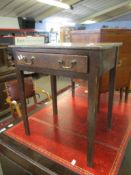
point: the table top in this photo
(83, 46)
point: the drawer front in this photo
(73, 63)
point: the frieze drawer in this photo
(73, 63)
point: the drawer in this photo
(75, 63)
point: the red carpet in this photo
(6, 122)
(63, 138)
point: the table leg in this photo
(93, 89)
(73, 87)
(126, 93)
(111, 95)
(121, 93)
(112, 74)
(99, 98)
(20, 77)
(54, 93)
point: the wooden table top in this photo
(82, 46)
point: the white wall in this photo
(7, 22)
(53, 23)
(113, 24)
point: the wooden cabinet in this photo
(110, 35)
(107, 35)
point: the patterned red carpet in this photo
(63, 138)
(6, 122)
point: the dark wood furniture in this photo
(123, 72)
(12, 92)
(6, 72)
(18, 159)
(73, 60)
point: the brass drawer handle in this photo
(25, 60)
(62, 64)
(33, 59)
(119, 63)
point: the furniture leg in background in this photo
(73, 87)
(54, 94)
(112, 74)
